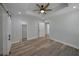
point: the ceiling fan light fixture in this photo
(42, 11)
(43, 8)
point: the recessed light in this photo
(19, 12)
(74, 6)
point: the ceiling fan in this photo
(43, 8)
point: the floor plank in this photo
(42, 47)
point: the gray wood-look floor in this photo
(42, 47)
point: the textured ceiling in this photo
(27, 9)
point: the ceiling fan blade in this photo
(46, 6)
(44, 12)
(48, 10)
(38, 5)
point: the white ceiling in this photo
(27, 9)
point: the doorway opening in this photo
(43, 29)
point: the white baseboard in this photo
(32, 38)
(74, 46)
(21, 41)
(15, 42)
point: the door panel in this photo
(41, 29)
(9, 35)
(6, 34)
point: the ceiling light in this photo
(19, 12)
(74, 6)
(42, 11)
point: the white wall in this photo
(32, 30)
(16, 30)
(32, 27)
(65, 28)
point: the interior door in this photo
(24, 32)
(41, 30)
(9, 35)
(6, 34)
